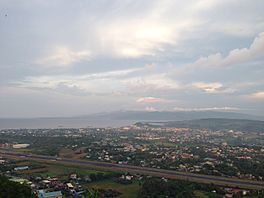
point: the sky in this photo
(66, 58)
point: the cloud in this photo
(93, 83)
(72, 89)
(155, 82)
(236, 56)
(151, 100)
(207, 109)
(136, 38)
(214, 87)
(63, 56)
(112, 82)
(93, 43)
(208, 87)
(111, 74)
(150, 109)
(147, 32)
(257, 95)
(150, 66)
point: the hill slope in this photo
(215, 124)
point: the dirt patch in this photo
(72, 153)
(37, 170)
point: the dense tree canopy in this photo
(12, 189)
(157, 188)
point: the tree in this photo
(12, 189)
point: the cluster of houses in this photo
(57, 187)
(211, 144)
(51, 187)
(14, 146)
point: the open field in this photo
(127, 190)
(54, 170)
(202, 194)
(70, 153)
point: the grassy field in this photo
(73, 154)
(55, 170)
(127, 190)
(202, 194)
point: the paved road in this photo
(223, 181)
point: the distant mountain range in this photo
(171, 115)
(212, 123)
(119, 118)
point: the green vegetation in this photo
(219, 124)
(12, 189)
(200, 148)
(157, 188)
(91, 194)
(58, 170)
(127, 190)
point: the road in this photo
(207, 179)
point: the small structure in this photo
(54, 181)
(228, 196)
(20, 146)
(69, 186)
(73, 176)
(54, 194)
(19, 180)
(45, 183)
(21, 168)
(2, 161)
